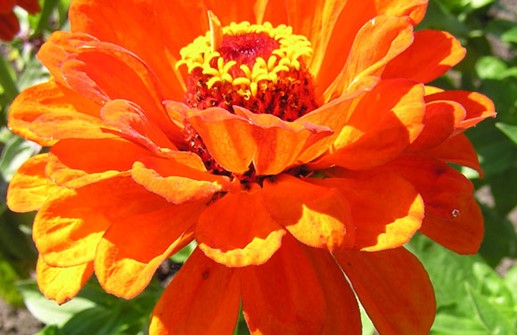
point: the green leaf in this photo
(510, 36)
(508, 130)
(182, 255)
(490, 67)
(48, 311)
(16, 152)
(449, 324)
(50, 330)
(490, 316)
(511, 282)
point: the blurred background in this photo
(476, 295)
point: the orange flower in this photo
(293, 152)
(9, 25)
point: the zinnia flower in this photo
(296, 142)
(9, 25)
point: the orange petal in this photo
(382, 125)
(458, 150)
(30, 187)
(62, 284)
(102, 72)
(237, 230)
(48, 112)
(177, 181)
(441, 118)
(71, 223)
(203, 298)
(315, 215)
(133, 248)
(159, 50)
(298, 291)
(462, 234)
(346, 28)
(477, 106)
(386, 209)
(76, 162)
(418, 64)
(228, 137)
(393, 287)
(452, 217)
(279, 143)
(376, 43)
(130, 120)
(445, 191)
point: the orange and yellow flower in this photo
(9, 25)
(296, 142)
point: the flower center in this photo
(257, 67)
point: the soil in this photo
(17, 321)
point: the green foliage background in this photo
(476, 295)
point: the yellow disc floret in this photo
(256, 54)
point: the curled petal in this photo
(133, 248)
(279, 143)
(102, 71)
(377, 42)
(315, 215)
(235, 141)
(458, 150)
(179, 180)
(71, 223)
(477, 106)
(386, 209)
(418, 64)
(393, 287)
(440, 121)
(275, 299)
(48, 112)
(203, 298)
(130, 120)
(62, 284)
(382, 124)
(237, 230)
(77, 162)
(30, 187)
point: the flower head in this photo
(9, 25)
(296, 142)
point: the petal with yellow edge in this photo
(62, 283)
(393, 287)
(71, 223)
(30, 187)
(316, 216)
(133, 248)
(279, 143)
(477, 106)
(237, 230)
(78, 162)
(386, 209)
(203, 298)
(376, 43)
(440, 121)
(417, 63)
(289, 295)
(383, 123)
(102, 71)
(48, 112)
(177, 181)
